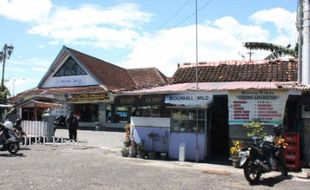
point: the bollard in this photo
(182, 152)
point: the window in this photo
(70, 68)
(185, 121)
(119, 114)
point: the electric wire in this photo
(192, 14)
(175, 14)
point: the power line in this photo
(192, 14)
(175, 14)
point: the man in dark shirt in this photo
(73, 124)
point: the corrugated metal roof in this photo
(221, 86)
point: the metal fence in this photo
(37, 133)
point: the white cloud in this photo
(109, 27)
(284, 20)
(25, 11)
(220, 39)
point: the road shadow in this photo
(24, 148)
(10, 155)
(272, 181)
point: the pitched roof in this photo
(147, 77)
(226, 71)
(111, 76)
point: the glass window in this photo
(70, 68)
(86, 112)
(119, 114)
(185, 121)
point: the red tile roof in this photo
(238, 71)
(147, 77)
(111, 76)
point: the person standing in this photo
(73, 124)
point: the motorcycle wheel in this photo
(13, 148)
(252, 171)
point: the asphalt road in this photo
(77, 167)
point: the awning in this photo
(6, 105)
(45, 104)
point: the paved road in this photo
(103, 139)
(75, 167)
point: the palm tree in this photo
(276, 50)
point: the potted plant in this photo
(125, 151)
(140, 150)
(133, 149)
(127, 142)
(154, 137)
(234, 152)
(255, 129)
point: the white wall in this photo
(81, 80)
(150, 122)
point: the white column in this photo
(306, 44)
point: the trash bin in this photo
(47, 117)
(182, 152)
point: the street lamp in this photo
(5, 54)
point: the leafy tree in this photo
(4, 93)
(276, 50)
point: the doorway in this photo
(218, 133)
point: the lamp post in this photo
(5, 54)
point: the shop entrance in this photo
(218, 135)
(292, 115)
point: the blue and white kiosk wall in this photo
(187, 125)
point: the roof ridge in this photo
(232, 62)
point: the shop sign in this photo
(125, 100)
(265, 106)
(72, 81)
(152, 100)
(189, 99)
(88, 97)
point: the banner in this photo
(189, 99)
(266, 106)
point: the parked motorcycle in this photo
(263, 156)
(17, 128)
(59, 122)
(8, 140)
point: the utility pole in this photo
(299, 25)
(305, 78)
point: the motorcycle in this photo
(263, 156)
(59, 122)
(19, 133)
(8, 140)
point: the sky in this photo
(137, 33)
